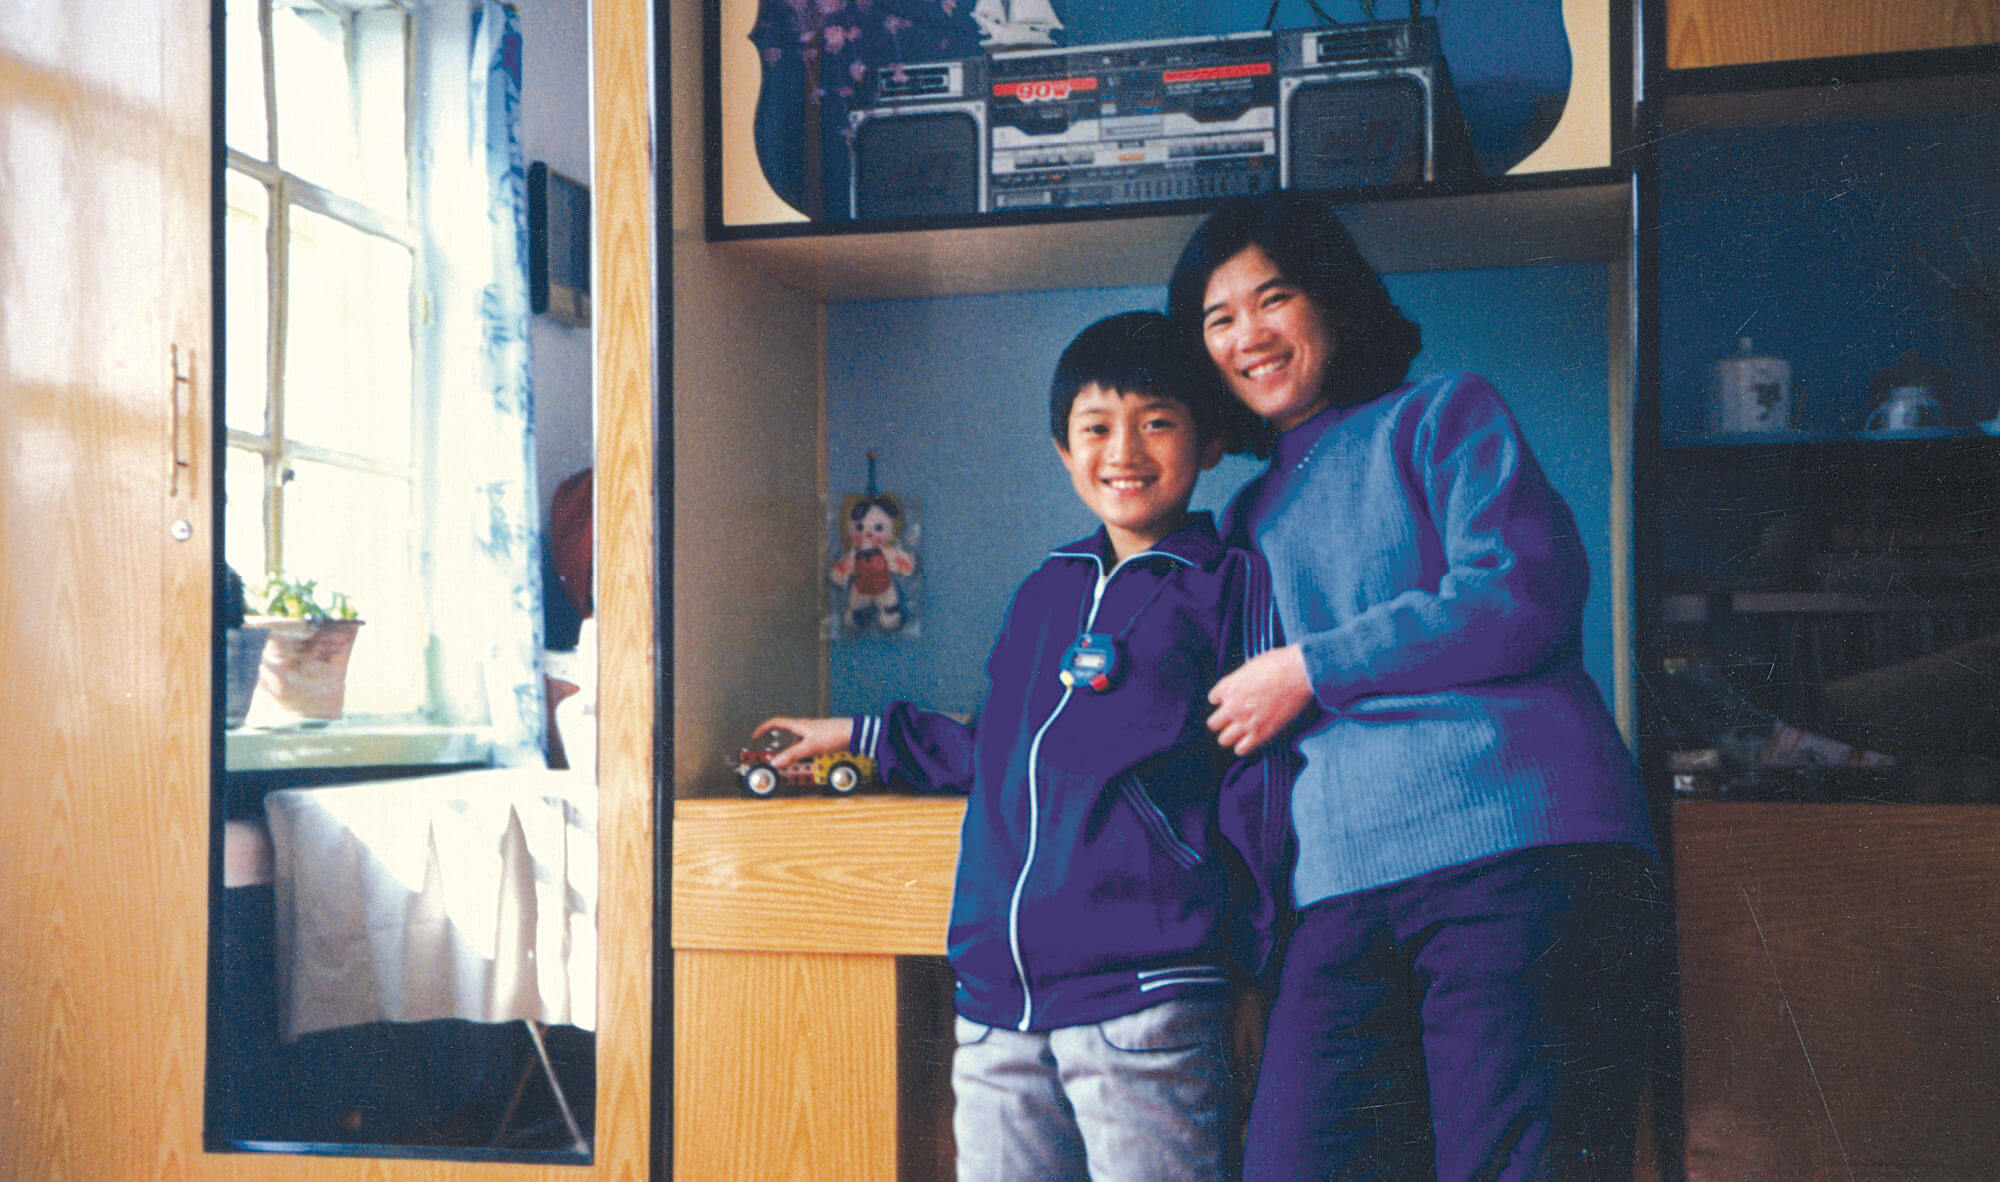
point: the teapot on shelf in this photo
(1912, 395)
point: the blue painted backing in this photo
(1806, 240)
(952, 395)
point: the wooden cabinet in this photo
(811, 1035)
(1818, 595)
(106, 375)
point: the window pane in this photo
(244, 60)
(351, 531)
(247, 298)
(243, 515)
(316, 100)
(347, 341)
(381, 113)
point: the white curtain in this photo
(484, 566)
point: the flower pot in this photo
(243, 660)
(304, 670)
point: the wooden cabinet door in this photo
(105, 377)
(106, 384)
(1840, 966)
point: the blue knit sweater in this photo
(1435, 583)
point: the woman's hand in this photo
(1260, 698)
(817, 736)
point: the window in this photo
(325, 409)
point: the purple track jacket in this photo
(1114, 855)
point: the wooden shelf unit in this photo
(789, 919)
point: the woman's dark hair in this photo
(1373, 343)
(1138, 353)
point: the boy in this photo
(1099, 917)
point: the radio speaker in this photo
(924, 162)
(1368, 105)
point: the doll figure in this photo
(871, 527)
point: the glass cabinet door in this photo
(1823, 493)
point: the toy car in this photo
(839, 772)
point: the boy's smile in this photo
(1134, 459)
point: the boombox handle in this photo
(1416, 7)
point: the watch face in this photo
(1091, 663)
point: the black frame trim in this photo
(214, 1062)
(1619, 48)
(661, 1143)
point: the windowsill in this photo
(353, 744)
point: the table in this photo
(468, 895)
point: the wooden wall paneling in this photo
(1738, 32)
(794, 1076)
(1840, 990)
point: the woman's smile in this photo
(1267, 338)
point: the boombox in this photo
(1139, 121)
(919, 148)
(1368, 104)
(1332, 108)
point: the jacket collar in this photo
(1194, 543)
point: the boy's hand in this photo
(1260, 698)
(817, 736)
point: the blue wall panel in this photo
(951, 394)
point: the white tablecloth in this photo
(469, 895)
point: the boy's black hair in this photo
(1137, 353)
(1373, 343)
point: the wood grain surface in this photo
(862, 875)
(624, 215)
(1737, 32)
(792, 1071)
(1841, 990)
(104, 281)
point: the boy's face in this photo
(1134, 458)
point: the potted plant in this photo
(308, 640)
(243, 651)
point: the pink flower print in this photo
(857, 68)
(835, 38)
(893, 25)
(772, 55)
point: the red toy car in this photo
(840, 772)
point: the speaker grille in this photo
(916, 165)
(1347, 132)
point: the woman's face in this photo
(1268, 338)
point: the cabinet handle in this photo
(183, 387)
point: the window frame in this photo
(285, 191)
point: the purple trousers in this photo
(1490, 1021)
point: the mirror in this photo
(403, 934)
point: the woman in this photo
(1469, 988)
